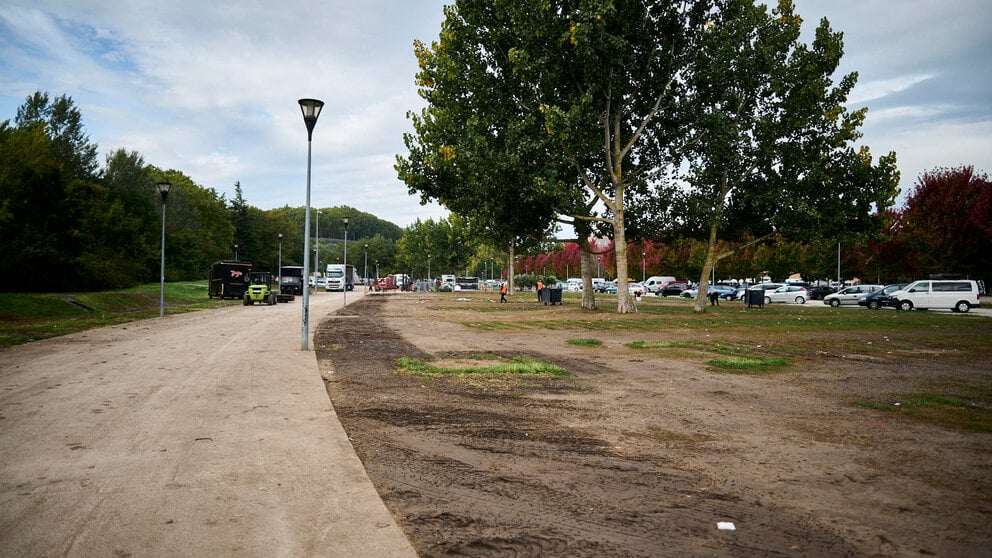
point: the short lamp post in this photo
(311, 110)
(345, 300)
(163, 188)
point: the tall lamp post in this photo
(163, 188)
(236, 253)
(429, 267)
(366, 273)
(644, 256)
(279, 269)
(311, 110)
(345, 220)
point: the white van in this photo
(655, 283)
(959, 296)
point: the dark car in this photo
(817, 293)
(879, 299)
(672, 289)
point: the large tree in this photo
(63, 123)
(562, 101)
(946, 224)
(769, 141)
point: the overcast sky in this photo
(211, 88)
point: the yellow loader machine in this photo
(259, 289)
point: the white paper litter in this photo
(725, 526)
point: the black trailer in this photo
(229, 279)
(291, 280)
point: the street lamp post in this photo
(345, 260)
(644, 256)
(365, 274)
(377, 274)
(236, 253)
(428, 267)
(311, 110)
(163, 188)
(279, 269)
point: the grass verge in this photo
(28, 317)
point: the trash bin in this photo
(755, 297)
(550, 296)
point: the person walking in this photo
(502, 292)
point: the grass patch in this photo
(971, 411)
(585, 342)
(749, 364)
(517, 366)
(702, 346)
(28, 317)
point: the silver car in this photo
(850, 295)
(787, 294)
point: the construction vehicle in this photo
(229, 279)
(259, 289)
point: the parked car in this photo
(690, 292)
(850, 295)
(760, 287)
(635, 288)
(787, 294)
(723, 291)
(878, 299)
(959, 296)
(610, 287)
(817, 293)
(673, 289)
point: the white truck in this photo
(341, 277)
(655, 283)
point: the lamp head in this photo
(311, 110)
(163, 188)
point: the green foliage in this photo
(529, 280)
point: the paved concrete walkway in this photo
(201, 434)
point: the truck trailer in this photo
(291, 280)
(229, 279)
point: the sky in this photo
(210, 88)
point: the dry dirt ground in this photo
(642, 453)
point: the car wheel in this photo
(874, 304)
(835, 302)
(962, 307)
(800, 300)
(905, 306)
(768, 300)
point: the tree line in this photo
(69, 223)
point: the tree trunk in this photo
(704, 279)
(625, 302)
(582, 230)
